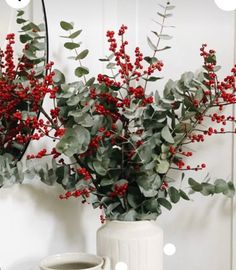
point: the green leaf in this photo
(230, 191)
(183, 127)
(161, 15)
(164, 202)
(149, 185)
(163, 49)
(20, 20)
(165, 37)
(174, 194)
(199, 95)
(134, 197)
(30, 26)
(71, 45)
(85, 120)
(188, 115)
(111, 207)
(99, 168)
(129, 216)
(75, 141)
(111, 66)
(166, 135)
(90, 82)
(207, 189)
(59, 77)
(73, 101)
(75, 34)
(162, 166)
(119, 126)
(151, 44)
(187, 78)
(20, 13)
(151, 205)
(150, 60)
(25, 38)
(217, 68)
(211, 59)
(75, 113)
(81, 71)
(82, 55)
(40, 46)
(157, 98)
(194, 185)
(103, 60)
(30, 55)
(42, 27)
(144, 152)
(153, 79)
(169, 15)
(220, 186)
(106, 182)
(184, 195)
(66, 26)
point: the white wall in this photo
(34, 223)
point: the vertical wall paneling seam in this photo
(103, 32)
(110, 22)
(12, 17)
(136, 23)
(31, 11)
(232, 240)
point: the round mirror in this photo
(23, 56)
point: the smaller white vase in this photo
(139, 244)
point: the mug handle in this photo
(106, 263)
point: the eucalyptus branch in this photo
(191, 169)
(80, 63)
(158, 41)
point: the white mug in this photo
(75, 261)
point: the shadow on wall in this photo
(39, 223)
(30, 263)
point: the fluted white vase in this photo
(137, 243)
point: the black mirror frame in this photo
(46, 61)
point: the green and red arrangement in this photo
(120, 140)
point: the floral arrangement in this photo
(121, 142)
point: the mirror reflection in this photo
(23, 44)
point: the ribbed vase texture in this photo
(139, 244)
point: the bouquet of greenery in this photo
(121, 142)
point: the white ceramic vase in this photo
(139, 244)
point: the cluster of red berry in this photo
(119, 190)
